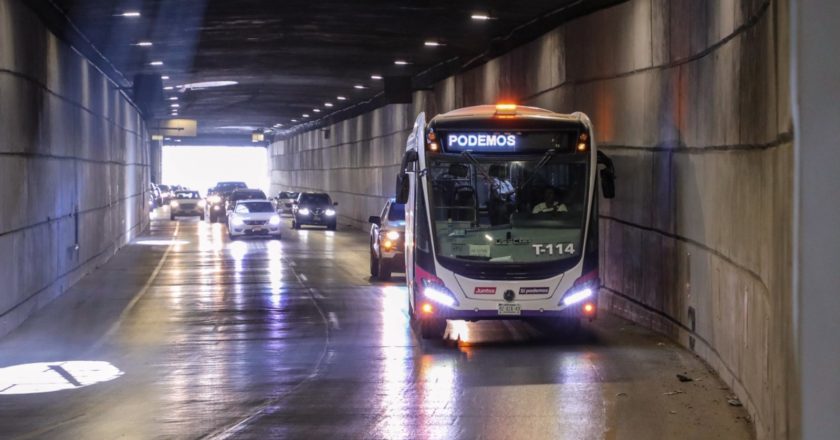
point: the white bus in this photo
(501, 216)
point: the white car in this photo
(253, 217)
(186, 203)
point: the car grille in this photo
(317, 211)
(254, 222)
(187, 207)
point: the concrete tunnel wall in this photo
(73, 166)
(692, 101)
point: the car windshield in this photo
(254, 207)
(397, 212)
(508, 211)
(186, 195)
(315, 199)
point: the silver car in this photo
(387, 241)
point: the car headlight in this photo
(274, 220)
(236, 221)
(392, 235)
(303, 211)
(201, 203)
(438, 293)
(215, 199)
(173, 204)
(330, 212)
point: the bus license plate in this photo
(510, 309)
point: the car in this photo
(253, 217)
(243, 194)
(154, 196)
(165, 194)
(387, 234)
(285, 201)
(315, 209)
(186, 203)
(215, 208)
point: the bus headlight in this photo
(438, 293)
(173, 204)
(303, 211)
(576, 296)
(274, 220)
(330, 212)
(392, 235)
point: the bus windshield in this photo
(501, 210)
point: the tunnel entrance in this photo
(199, 168)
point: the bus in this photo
(502, 216)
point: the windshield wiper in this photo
(477, 166)
(549, 154)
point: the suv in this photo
(315, 209)
(216, 200)
(387, 235)
(285, 201)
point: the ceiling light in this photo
(164, 77)
(167, 139)
(208, 84)
(131, 14)
(316, 110)
(175, 105)
(278, 125)
(376, 77)
(305, 115)
(401, 62)
(177, 140)
(340, 98)
(432, 43)
(294, 120)
(169, 88)
(328, 104)
(173, 98)
(358, 86)
(156, 63)
(144, 44)
(480, 16)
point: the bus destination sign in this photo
(496, 142)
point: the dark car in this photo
(216, 199)
(315, 209)
(243, 194)
(387, 239)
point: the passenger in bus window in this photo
(502, 196)
(550, 203)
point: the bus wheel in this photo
(432, 328)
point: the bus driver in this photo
(550, 205)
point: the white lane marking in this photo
(116, 325)
(334, 320)
(303, 277)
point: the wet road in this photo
(184, 334)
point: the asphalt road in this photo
(184, 334)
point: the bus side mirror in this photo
(607, 175)
(402, 188)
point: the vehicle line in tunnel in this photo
(270, 405)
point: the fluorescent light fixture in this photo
(131, 14)
(294, 120)
(401, 62)
(328, 104)
(169, 88)
(305, 115)
(376, 77)
(480, 16)
(173, 98)
(156, 63)
(175, 105)
(340, 98)
(432, 43)
(316, 110)
(144, 44)
(358, 86)
(164, 77)
(208, 85)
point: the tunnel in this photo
(565, 219)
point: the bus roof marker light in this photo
(505, 109)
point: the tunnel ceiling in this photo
(289, 57)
